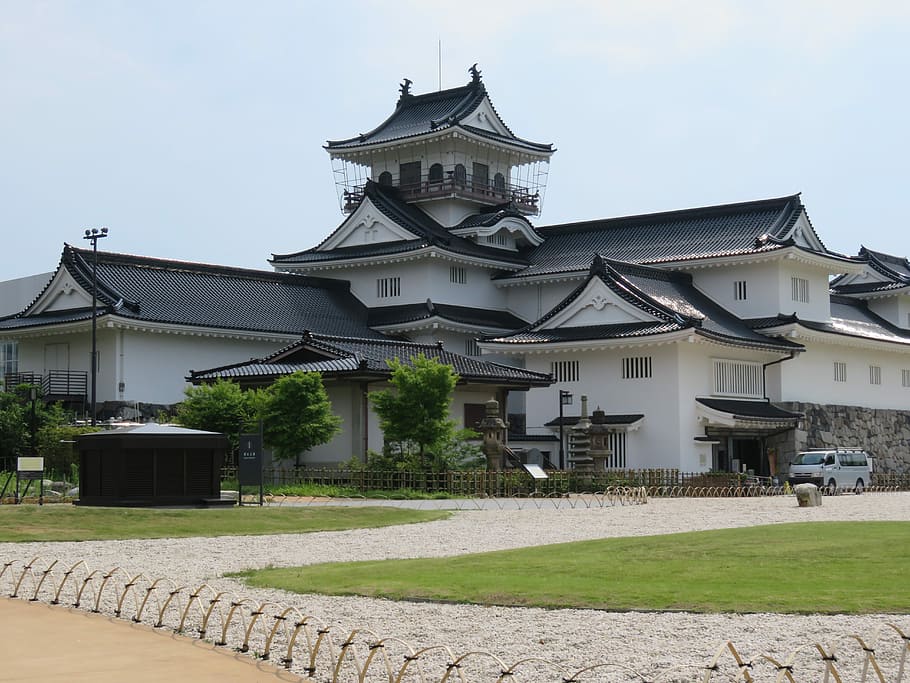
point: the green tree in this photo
(50, 425)
(297, 415)
(219, 407)
(414, 412)
(13, 427)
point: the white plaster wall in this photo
(16, 294)
(818, 307)
(656, 442)
(894, 309)
(809, 378)
(422, 280)
(152, 367)
(533, 300)
(762, 295)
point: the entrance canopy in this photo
(757, 417)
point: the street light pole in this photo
(93, 236)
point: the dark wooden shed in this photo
(150, 465)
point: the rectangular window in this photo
(409, 175)
(457, 275)
(840, 371)
(738, 378)
(9, 359)
(474, 414)
(616, 442)
(499, 239)
(471, 348)
(636, 367)
(800, 289)
(739, 290)
(564, 370)
(905, 378)
(388, 287)
(875, 374)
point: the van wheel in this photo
(859, 487)
(832, 487)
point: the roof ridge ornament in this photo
(475, 73)
(405, 89)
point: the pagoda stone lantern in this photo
(493, 429)
(599, 441)
(579, 442)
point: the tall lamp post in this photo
(565, 399)
(93, 236)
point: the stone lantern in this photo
(493, 429)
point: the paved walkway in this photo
(51, 643)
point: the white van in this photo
(841, 469)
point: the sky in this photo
(194, 129)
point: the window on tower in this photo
(436, 173)
(385, 178)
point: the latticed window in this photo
(616, 442)
(471, 348)
(564, 370)
(875, 374)
(738, 378)
(388, 287)
(905, 378)
(840, 371)
(636, 367)
(457, 275)
(739, 290)
(9, 359)
(800, 289)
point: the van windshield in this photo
(809, 459)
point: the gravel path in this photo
(646, 642)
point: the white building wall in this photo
(531, 301)
(818, 308)
(656, 443)
(894, 309)
(16, 294)
(152, 367)
(809, 378)
(761, 288)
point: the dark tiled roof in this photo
(725, 230)
(670, 298)
(369, 357)
(493, 215)
(429, 234)
(481, 317)
(418, 115)
(615, 419)
(893, 274)
(849, 317)
(749, 410)
(176, 292)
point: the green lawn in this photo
(830, 567)
(68, 523)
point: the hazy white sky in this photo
(194, 129)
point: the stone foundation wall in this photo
(885, 434)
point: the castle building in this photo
(725, 337)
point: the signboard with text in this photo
(250, 462)
(30, 467)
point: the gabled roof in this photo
(367, 358)
(668, 302)
(850, 318)
(385, 316)
(180, 293)
(886, 273)
(429, 114)
(746, 228)
(429, 232)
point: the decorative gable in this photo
(366, 225)
(62, 294)
(803, 234)
(597, 304)
(485, 118)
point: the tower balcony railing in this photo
(477, 189)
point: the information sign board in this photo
(250, 469)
